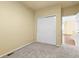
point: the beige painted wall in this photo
(72, 10)
(16, 26)
(53, 11)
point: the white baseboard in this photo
(15, 49)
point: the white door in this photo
(46, 30)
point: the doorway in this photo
(70, 30)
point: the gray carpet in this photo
(40, 50)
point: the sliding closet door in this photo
(46, 30)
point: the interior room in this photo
(39, 29)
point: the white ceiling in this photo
(35, 5)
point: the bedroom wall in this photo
(71, 10)
(16, 26)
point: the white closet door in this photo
(46, 30)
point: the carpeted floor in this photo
(41, 50)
